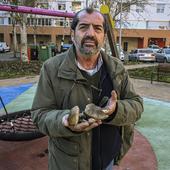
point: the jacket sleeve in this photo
(129, 104)
(45, 114)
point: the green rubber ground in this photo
(154, 124)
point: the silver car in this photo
(163, 55)
(4, 47)
(142, 54)
(155, 48)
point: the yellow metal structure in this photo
(104, 9)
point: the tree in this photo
(115, 5)
(119, 10)
(21, 19)
(14, 33)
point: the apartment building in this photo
(46, 28)
(141, 25)
(146, 24)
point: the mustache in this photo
(92, 38)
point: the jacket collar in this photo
(68, 68)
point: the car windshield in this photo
(154, 46)
(167, 51)
(145, 51)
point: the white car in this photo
(4, 47)
(155, 48)
(142, 54)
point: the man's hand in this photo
(83, 126)
(111, 104)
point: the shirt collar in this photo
(94, 70)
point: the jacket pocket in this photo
(127, 140)
(67, 146)
(63, 154)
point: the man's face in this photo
(89, 36)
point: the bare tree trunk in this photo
(23, 28)
(14, 34)
(15, 40)
(35, 39)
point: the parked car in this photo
(65, 47)
(142, 54)
(167, 46)
(4, 47)
(163, 55)
(154, 47)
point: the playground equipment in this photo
(38, 11)
(17, 126)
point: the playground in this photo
(150, 149)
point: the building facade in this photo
(141, 25)
(146, 24)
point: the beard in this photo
(89, 50)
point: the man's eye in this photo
(98, 28)
(83, 27)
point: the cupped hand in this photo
(111, 104)
(86, 125)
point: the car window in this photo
(135, 51)
(145, 51)
(154, 46)
(167, 51)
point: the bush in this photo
(145, 73)
(14, 69)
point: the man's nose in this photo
(90, 31)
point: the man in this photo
(82, 75)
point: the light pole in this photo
(86, 3)
(120, 29)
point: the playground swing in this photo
(17, 126)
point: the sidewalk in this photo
(157, 90)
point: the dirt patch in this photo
(18, 81)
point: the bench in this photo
(162, 69)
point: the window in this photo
(76, 6)
(9, 21)
(1, 21)
(61, 6)
(160, 8)
(43, 23)
(28, 21)
(39, 21)
(139, 8)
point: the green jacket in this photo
(61, 86)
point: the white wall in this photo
(149, 18)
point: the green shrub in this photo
(145, 73)
(13, 69)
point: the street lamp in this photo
(120, 29)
